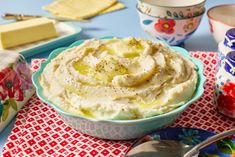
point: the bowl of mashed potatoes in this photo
(119, 89)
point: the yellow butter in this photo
(19, 33)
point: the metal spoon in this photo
(207, 142)
(159, 148)
(171, 148)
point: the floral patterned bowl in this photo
(173, 9)
(119, 129)
(172, 31)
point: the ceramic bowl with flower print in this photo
(172, 9)
(172, 31)
(193, 136)
(15, 85)
(221, 19)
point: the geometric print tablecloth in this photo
(39, 131)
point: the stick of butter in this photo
(19, 33)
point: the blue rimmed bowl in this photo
(119, 129)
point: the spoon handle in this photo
(209, 141)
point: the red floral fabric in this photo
(10, 85)
(164, 25)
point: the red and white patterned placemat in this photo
(39, 131)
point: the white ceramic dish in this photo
(67, 34)
(221, 18)
(174, 9)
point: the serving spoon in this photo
(171, 148)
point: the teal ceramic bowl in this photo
(119, 129)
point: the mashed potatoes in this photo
(119, 79)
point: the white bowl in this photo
(221, 19)
(175, 9)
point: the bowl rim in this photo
(218, 6)
(142, 1)
(140, 11)
(198, 92)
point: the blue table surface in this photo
(121, 23)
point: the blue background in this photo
(121, 23)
